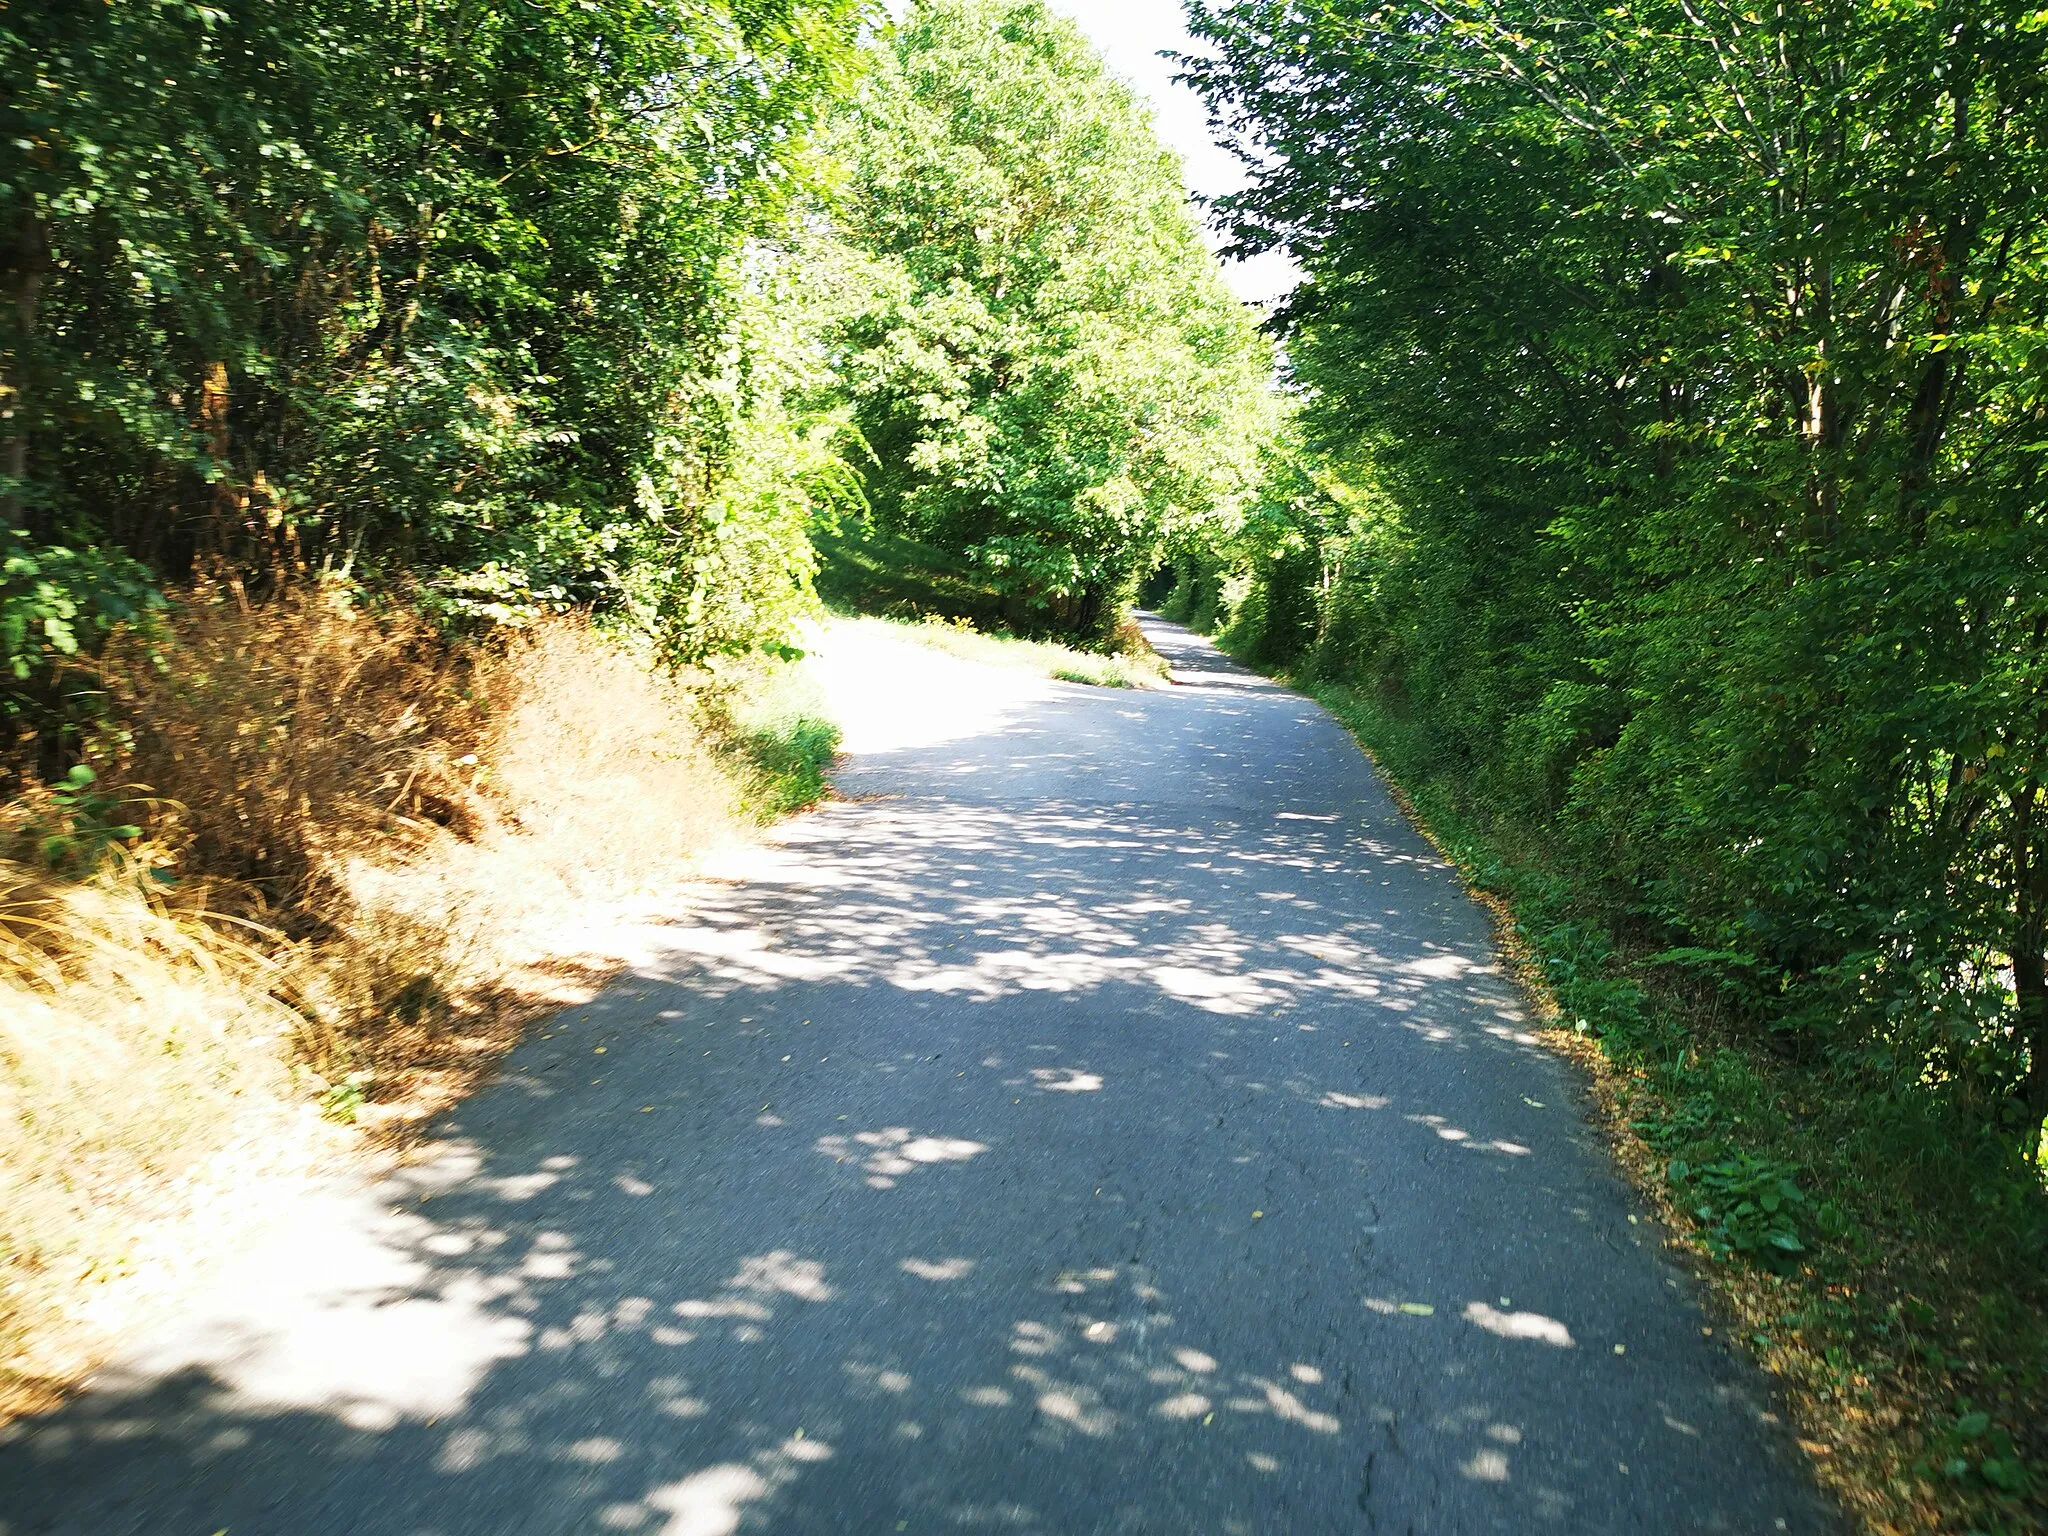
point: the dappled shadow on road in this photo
(1000, 1156)
(977, 903)
(1197, 663)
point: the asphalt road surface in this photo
(1110, 1117)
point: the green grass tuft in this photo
(769, 718)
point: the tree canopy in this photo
(1687, 360)
(1051, 374)
(442, 296)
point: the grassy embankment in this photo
(328, 868)
(867, 576)
(1868, 1254)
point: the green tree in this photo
(1698, 353)
(447, 297)
(1051, 374)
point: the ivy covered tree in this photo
(1050, 373)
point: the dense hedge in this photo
(1676, 378)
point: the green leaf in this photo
(2006, 1473)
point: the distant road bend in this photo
(1109, 1117)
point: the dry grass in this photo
(591, 784)
(366, 859)
(136, 1044)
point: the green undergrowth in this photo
(1134, 668)
(769, 719)
(1880, 1255)
(870, 571)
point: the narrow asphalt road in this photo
(1111, 1119)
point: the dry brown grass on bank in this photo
(414, 818)
(367, 857)
(278, 742)
(592, 786)
(135, 1045)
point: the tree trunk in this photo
(232, 546)
(1089, 621)
(28, 259)
(2030, 958)
(2031, 984)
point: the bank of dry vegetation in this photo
(329, 864)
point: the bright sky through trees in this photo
(1130, 35)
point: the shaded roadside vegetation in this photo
(414, 422)
(871, 570)
(1666, 516)
(938, 600)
